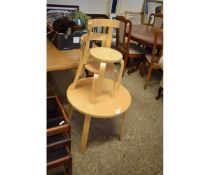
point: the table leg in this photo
(85, 132)
(122, 126)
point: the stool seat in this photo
(106, 54)
(105, 106)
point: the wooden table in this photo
(144, 34)
(61, 59)
(105, 105)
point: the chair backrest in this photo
(105, 38)
(123, 34)
(157, 50)
(156, 20)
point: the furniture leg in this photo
(94, 88)
(85, 132)
(122, 127)
(79, 72)
(126, 61)
(101, 77)
(114, 82)
(142, 67)
(122, 68)
(130, 71)
(160, 90)
(148, 78)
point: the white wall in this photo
(86, 6)
(152, 6)
(130, 5)
(102, 6)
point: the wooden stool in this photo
(91, 62)
(105, 106)
(106, 56)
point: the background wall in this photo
(86, 6)
(102, 6)
(152, 6)
(132, 5)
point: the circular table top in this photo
(105, 106)
(106, 54)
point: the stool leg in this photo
(101, 77)
(122, 127)
(122, 66)
(94, 88)
(85, 132)
(114, 82)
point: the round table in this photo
(105, 105)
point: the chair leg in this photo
(160, 90)
(79, 72)
(148, 77)
(130, 71)
(142, 67)
(126, 61)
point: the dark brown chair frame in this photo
(124, 49)
(154, 15)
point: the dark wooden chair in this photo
(130, 50)
(156, 20)
(153, 59)
(58, 135)
(160, 90)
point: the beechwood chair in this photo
(87, 41)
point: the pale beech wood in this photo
(105, 54)
(79, 72)
(103, 23)
(105, 105)
(61, 59)
(120, 73)
(95, 36)
(109, 37)
(85, 132)
(93, 66)
(122, 126)
(94, 91)
(115, 86)
(111, 56)
(101, 77)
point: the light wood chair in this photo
(87, 41)
(153, 59)
(156, 20)
(129, 49)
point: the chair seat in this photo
(161, 62)
(149, 58)
(136, 49)
(93, 66)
